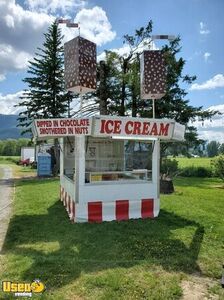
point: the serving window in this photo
(108, 159)
(69, 157)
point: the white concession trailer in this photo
(109, 166)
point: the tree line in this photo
(214, 148)
(12, 147)
(118, 87)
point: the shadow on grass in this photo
(29, 180)
(61, 251)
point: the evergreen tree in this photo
(45, 96)
(213, 148)
(221, 149)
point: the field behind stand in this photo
(184, 162)
(136, 259)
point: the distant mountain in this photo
(8, 129)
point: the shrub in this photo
(169, 167)
(193, 171)
(12, 159)
(218, 166)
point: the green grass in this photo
(136, 259)
(9, 159)
(1, 173)
(193, 161)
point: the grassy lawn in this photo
(9, 159)
(1, 173)
(136, 259)
(194, 161)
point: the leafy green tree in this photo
(1, 147)
(120, 93)
(21, 143)
(213, 148)
(218, 165)
(10, 147)
(221, 149)
(45, 96)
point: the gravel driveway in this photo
(6, 195)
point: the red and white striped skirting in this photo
(99, 211)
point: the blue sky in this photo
(198, 22)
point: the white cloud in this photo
(95, 25)
(7, 103)
(214, 82)
(53, 6)
(214, 129)
(125, 50)
(2, 77)
(11, 59)
(211, 135)
(22, 29)
(206, 56)
(21, 33)
(203, 29)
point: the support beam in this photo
(79, 166)
(156, 167)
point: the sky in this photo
(199, 23)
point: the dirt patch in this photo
(6, 192)
(197, 288)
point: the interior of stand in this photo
(108, 159)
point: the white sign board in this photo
(133, 127)
(51, 128)
(105, 126)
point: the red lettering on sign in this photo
(102, 126)
(44, 123)
(129, 127)
(109, 126)
(137, 128)
(164, 129)
(154, 130)
(117, 126)
(145, 130)
(134, 128)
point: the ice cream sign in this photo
(136, 127)
(133, 128)
(104, 126)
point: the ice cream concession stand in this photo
(109, 166)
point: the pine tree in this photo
(45, 96)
